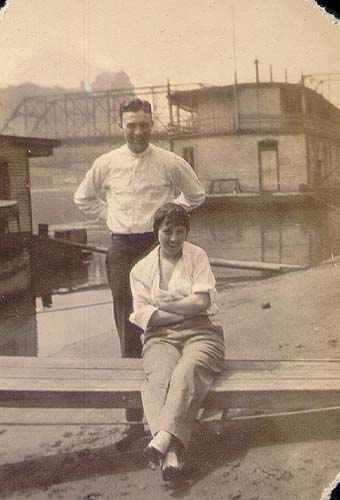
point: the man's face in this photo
(136, 127)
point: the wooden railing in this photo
(258, 122)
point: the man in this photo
(137, 179)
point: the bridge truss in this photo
(85, 116)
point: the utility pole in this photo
(257, 70)
(236, 103)
(171, 118)
(257, 89)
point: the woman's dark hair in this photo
(135, 104)
(171, 213)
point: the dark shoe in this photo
(153, 456)
(172, 466)
(171, 473)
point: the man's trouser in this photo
(124, 252)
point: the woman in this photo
(173, 291)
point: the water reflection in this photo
(18, 327)
(58, 310)
(292, 237)
(65, 305)
(47, 280)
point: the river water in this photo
(67, 305)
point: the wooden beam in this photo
(254, 266)
(116, 383)
(216, 262)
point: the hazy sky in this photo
(62, 42)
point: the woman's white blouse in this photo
(192, 274)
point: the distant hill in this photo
(107, 80)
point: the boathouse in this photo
(257, 137)
(15, 153)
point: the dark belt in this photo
(131, 236)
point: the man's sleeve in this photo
(192, 192)
(87, 195)
(142, 307)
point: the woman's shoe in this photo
(172, 473)
(157, 448)
(153, 456)
(172, 467)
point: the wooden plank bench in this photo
(115, 383)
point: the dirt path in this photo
(282, 457)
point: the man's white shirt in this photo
(135, 186)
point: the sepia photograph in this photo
(169, 250)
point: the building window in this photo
(189, 156)
(4, 181)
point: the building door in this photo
(268, 166)
(271, 239)
(4, 181)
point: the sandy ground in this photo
(294, 456)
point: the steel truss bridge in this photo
(86, 116)
(92, 117)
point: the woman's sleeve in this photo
(203, 278)
(142, 306)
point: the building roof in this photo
(180, 96)
(188, 99)
(36, 146)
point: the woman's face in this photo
(171, 238)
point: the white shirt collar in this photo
(138, 155)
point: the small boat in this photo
(15, 270)
(260, 201)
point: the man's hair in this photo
(171, 213)
(135, 104)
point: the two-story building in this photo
(263, 137)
